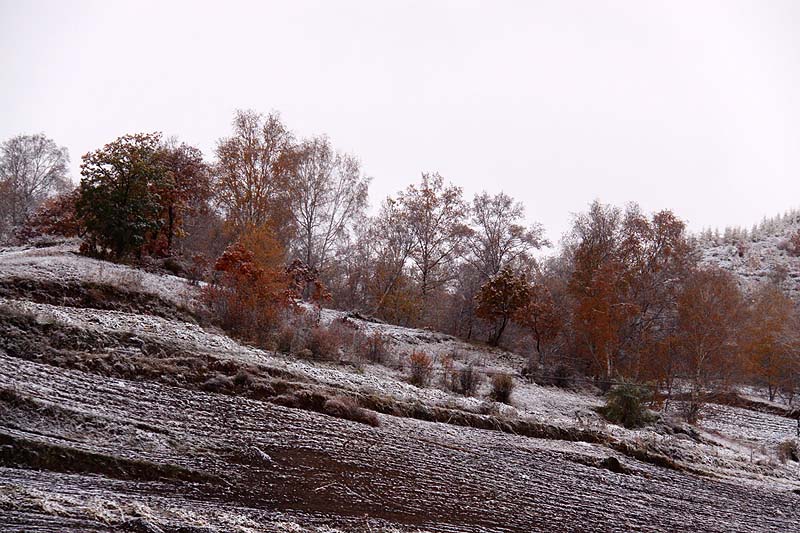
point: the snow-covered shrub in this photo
(55, 217)
(248, 295)
(284, 338)
(791, 245)
(325, 342)
(692, 408)
(563, 376)
(502, 387)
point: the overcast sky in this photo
(692, 106)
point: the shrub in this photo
(55, 217)
(371, 347)
(284, 339)
(788, 451)
(791, 245)
(464, 380)
(421, 367)
(502, 387)
(248, 294)
(346, 408)
(691, 408)
(217, 383)
(324, 342)
(625, 404)
(563, 377)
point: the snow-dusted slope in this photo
(757, 255)
(85, 445)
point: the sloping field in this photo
(115, 421)
(99, 452)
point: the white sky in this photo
(692, 105)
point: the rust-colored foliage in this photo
(710, 312)
(253, 172)
(540, 316)
(304, 283)
(183, 190)
(251, 288)
(421, 367)
(56, 216)
(626, 273)
(769, 341)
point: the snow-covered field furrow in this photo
(407, 473)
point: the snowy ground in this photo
(274, 468)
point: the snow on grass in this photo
(739, 442)
(62, 263)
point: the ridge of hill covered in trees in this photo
(769, 252)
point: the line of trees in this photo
(273, 218)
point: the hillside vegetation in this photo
(235, 344)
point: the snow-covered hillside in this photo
(759, 254)
(106, 426)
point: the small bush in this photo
(324, 343)
(371, 347)
(502, 387)
(788, 451)
(563, 377)
(464, 380)
(217, 383)
(692, 408)
(791, 245)
(625, 404)
(55, 217)
(346, 408)
(284, 339)
(421, 367)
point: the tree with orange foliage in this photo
(710, 311)
(252, 173)
(769, 340)
(540, 316)
(250, 287)
(500, 299)
(55, 216)
(184, 190)
(626, 273)
(598, 287)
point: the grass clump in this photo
(502, 387)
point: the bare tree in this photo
(392, 245)
(328, 192)
(498, 236)
(435, 215)
(252, 172)
(32, 168)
